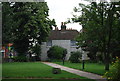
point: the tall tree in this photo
(30, 24)
(98, 24)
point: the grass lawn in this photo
(46, 80)
(89, 67)
(34, 70)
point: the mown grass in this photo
(89, 67)
(47, 80)
(34, 70)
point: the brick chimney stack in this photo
(63, 26)
(56, 28)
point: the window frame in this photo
(49, 43)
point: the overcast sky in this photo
(61, 10)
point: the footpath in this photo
(77, 72)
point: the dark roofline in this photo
(63, 34)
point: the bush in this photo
(99, 58)
(114, 74)
(75, 57)
(56, 52)
(20, 59)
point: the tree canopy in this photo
(100, 27)
(25, 24)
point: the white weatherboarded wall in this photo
(43, 52)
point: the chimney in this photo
(63, 26)
(61, 23)
(56, 28)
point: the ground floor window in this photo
(49, 43)
(73, 43)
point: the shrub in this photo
(20, 59)
(75, 57)
(56, 52)
(114, 74)
(99, 57)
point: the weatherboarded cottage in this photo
(64, 38)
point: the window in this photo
(42, 43)
(73, 43)
(49, 43)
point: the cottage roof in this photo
(63, 34)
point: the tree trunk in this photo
(30, 56)
(106, 55)
(109, 24)
(107, 61)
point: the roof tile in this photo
(63, 34)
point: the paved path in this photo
(77, 72)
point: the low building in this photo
(64, 38)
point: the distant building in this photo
(64, 38)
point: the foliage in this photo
(56, 52)
(92, 53)
(37, 50)
(114, 75)
(21, 46)
(75, 57)
(99, 57)
(6, 23)
(25, 22)
(20, 59)
(100, 28)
